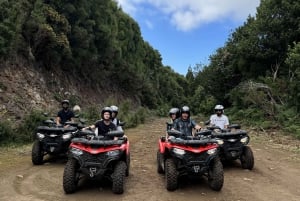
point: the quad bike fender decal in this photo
(199, 149)
(161, 146)
(99, 149)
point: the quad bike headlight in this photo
(179, 151)
(112, 153)
(245, 140)
(67, 136)
(211, 151)
(40, 136)
(76, 151)
(220, 142)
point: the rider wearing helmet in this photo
(173, 114)
(219, 118)
(114, 119)
(184, 123)
(104, 125)
(65, 114)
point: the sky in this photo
(187, 32)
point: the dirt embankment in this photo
(276, 174)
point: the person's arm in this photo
(226, 122)
(195, 125)
(89, 127)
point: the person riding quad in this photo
(114, 119)
(219, 119)
(104, 125)
(173, 114)
(65, 114)
(184, 123)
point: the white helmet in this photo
(76, 108)
(219, 108)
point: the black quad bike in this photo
(233, 145)
(97, 157)
(180, 155)
(52, 140)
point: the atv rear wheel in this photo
(216, 175)
(118, 177)
(247, 158)
(160, 163)
(171, 175)
(37, 153)
(70, 177)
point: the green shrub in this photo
(25, 131)
(6, 132)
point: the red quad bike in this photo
(180, 155)
(97, 157)
(52, 140)
(233, 145)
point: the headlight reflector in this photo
(211, 151)
(178, 151)
(245, 140)
(40, 135)
(76, 151)
(67, 136)
(112, 153)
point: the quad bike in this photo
(97, 157)
(180, 155)
(233, 145)
(52, 140)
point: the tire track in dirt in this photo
(276, 175)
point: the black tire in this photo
(128, 165)
(216, 175)
(70, 177)
(247, 158)
(37, 153)
(118, 177)
(171, 175)
(160, 163)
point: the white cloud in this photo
(186, 15)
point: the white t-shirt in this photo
(219, 121)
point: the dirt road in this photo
(276, 174)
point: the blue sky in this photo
(187, 32)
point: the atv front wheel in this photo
(70, 178)
(118, 177)
(128, 165)
(171, 175)
(160, 163)
(37, 153)
(216, 175)
(247, 158)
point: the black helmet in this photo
(174, 110)
(105, 109)
(185, 109)
(65, 102)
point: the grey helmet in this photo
(174, 110)
(185, 109)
